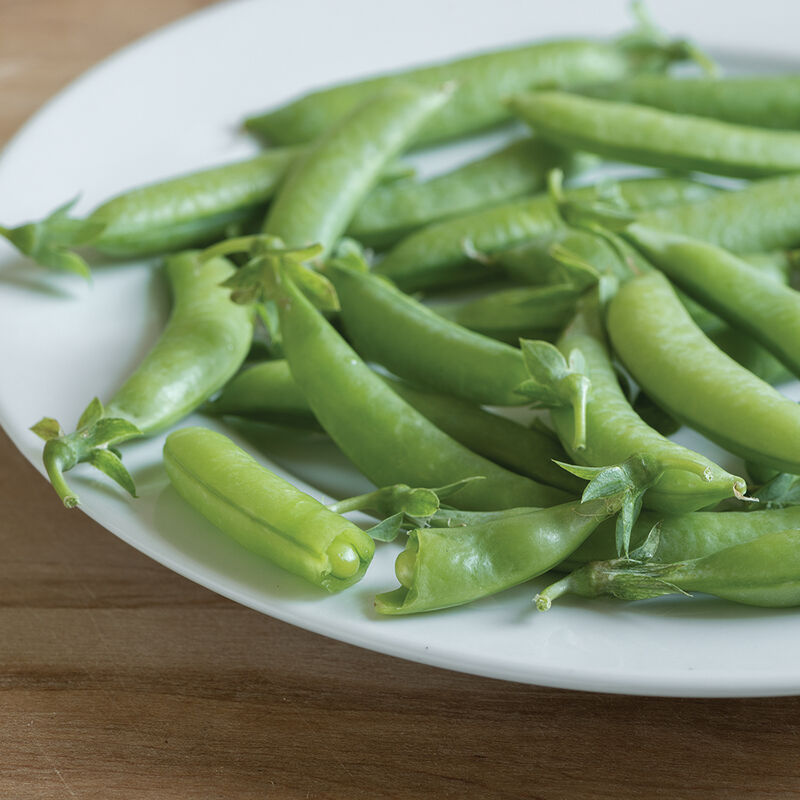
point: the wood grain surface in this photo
(120, 679)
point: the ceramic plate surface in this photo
(171, 103)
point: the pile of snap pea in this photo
(619, 308)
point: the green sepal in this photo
(91, 414)
(556, 382)
(47, 428)
(389, 529)
(782, 490)
(110, 464)
(48, 241)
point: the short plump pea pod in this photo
(483, 82)
(762, 572)
(763, 101)
(326, 184)
(264, 513)
(767, 310)
(650, 136)
(444, 567)
(685, 373)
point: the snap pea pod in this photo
(326, 184)
(185, 211)
(686, 536)
(685, 373)
(414, 342)
(767, 310)
(391, 212)
(762, 572)
(203, 345)
(763, 101)
(268, 391)
(763, 216)
(385, 437)
(482, 81)
(263, 512)
(440, 254)
(443, 567)
(644, 135)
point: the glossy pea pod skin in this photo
(416, 343)
(325, 186)
(391, 212)
(204, 343)
(685, 373)
(763, 101)
(267, 391)
(440, 254)
(656, 138)
(762, 572)
(482, 81)
(263, 512)
(615, 432)
(688, 536)
(442, 567)
(767, 310)
(386, 438)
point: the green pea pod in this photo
(441, 567)
(267, 391)
(325, 186)
(263, 512)
(204, 344)
(643, 135)
(440, 254)
(767, 310)
(764, 101)
(393, 211)
(685, 373)
(762, 572)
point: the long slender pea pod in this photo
(763, 216)
(384, 436)
(440, 254)
(644, 135)
(767, 310)
(267, 391)
(325, 186)
(443, 567)
(483, 82)
(599, 428)
(685, 373)
(686, 536)
(763, 101)
(762, 572)
(203, 345)
(416, 343)
(393, 211)
(263, 512)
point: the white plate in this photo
(170, 103)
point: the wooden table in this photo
(120, 679)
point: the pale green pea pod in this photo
(762, 572)
(442, 567)
(264, 513)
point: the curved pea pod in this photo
(391, 212)
(483, 82)
(384, 436)
(686, 536)
(203, 345)
(764, 101)
(325, 186)
(685, 373)
(264, 513)
(440, 254)
(656, 138)
(443, 567)
(763, 216)
(762, 572)
(767, 310)
(416, 343)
